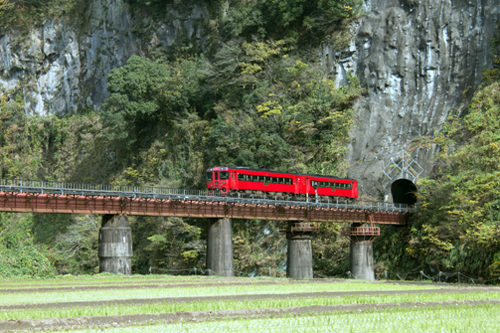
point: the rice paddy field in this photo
(156, 303)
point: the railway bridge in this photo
(117, 202)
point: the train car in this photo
(230, 181)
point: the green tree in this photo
(458, 224)
(19, 255)
(167, 243)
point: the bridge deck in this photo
(55, 197)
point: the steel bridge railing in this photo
(162, 193)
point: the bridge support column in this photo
(362, 267)
(299, 263)
(115, 245)
(220, 248)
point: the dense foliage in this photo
(257, 97)
(310, 21)
(457, 228)
(26, 14)
(19, 257)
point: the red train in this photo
(229, 181)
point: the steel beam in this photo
(91, 204)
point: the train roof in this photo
(286, 173)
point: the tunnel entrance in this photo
(404, 192)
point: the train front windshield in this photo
(224, 175)
(209, 176)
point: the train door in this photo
(307, 184)
(232, 179)
(298, 184)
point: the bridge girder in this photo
(84, 204)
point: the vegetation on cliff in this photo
(457, 226)
(257, 97)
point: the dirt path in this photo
(199, 316)
(201, 281)
(222, 282)
(244, 297)
(131, 280)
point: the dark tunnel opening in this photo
(404, 192)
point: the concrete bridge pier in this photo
(362, 266)
(115, 245)
(299, 264)
(220, 248)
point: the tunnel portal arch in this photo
(404, 192)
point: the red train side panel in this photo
(241, 179)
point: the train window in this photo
(274, 180)
(349, 186)
(289, 181)
(224, 175)
(209, 176)
(241, 177)
(216, 176)
(314, 183)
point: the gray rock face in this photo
(417, 59)
(62, 70)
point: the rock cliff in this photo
(62, 69)
(418, 59)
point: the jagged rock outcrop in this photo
(417, 59)
(62, 69)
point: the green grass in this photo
(457, 318)
(107, 295)
(128, 309)
(54, 283)
(104, 277)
